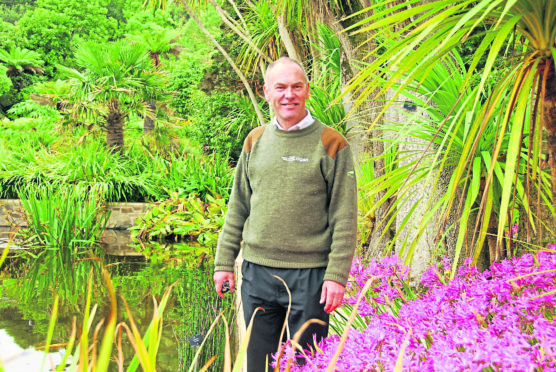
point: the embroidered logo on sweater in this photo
(294, 158)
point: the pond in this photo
(137, 278)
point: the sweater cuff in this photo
(336, 277)
(226, 266)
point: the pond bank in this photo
(122, 215)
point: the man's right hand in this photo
(222, 276)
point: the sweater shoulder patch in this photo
(254, 135)
(333, 141)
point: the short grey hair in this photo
(284, 60)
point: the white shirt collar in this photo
(304, 123)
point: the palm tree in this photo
(159, 42)
(523, 97)
(113, 80)
(19, 60)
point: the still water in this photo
(24, 319)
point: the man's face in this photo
(286, 90)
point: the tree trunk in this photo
(494, 250)
(286, 39)
(114, 127)
(148, 122)
(549, 117)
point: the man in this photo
(294, 205)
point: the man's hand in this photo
(222, 276)
(332, 294)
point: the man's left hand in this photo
(332, 295)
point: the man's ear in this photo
(265, 91)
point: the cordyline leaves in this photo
(406, 57)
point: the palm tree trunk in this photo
(114, 127)
(549, 117)
(494, 249)
(284, 34)
(148, 123)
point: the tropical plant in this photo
(328, 85)
(519, 102)
(435, 95)
(115, 79)
(19, 60)
(158, 42)
(183, 218)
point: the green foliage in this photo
(8, 35)
(12, 13)
(220, 121)
(185, 78)
(5, 81)
(52, 27)
(205, 176)
(35, 153)
(21, 59)
(324, 91)
(21, 67)
(139, 19)
(35, 110)
(183, 218)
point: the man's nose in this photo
(289, 92)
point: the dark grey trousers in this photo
(260, 289)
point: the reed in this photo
(63, 224)
(64, 217)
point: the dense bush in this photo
(37, 153)
(221, 121)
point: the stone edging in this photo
(123, 215)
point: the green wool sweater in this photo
(293, 202)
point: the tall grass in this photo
(64, 217)
(63, 224)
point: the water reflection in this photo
(138, 273)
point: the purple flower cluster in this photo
(498, 320)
